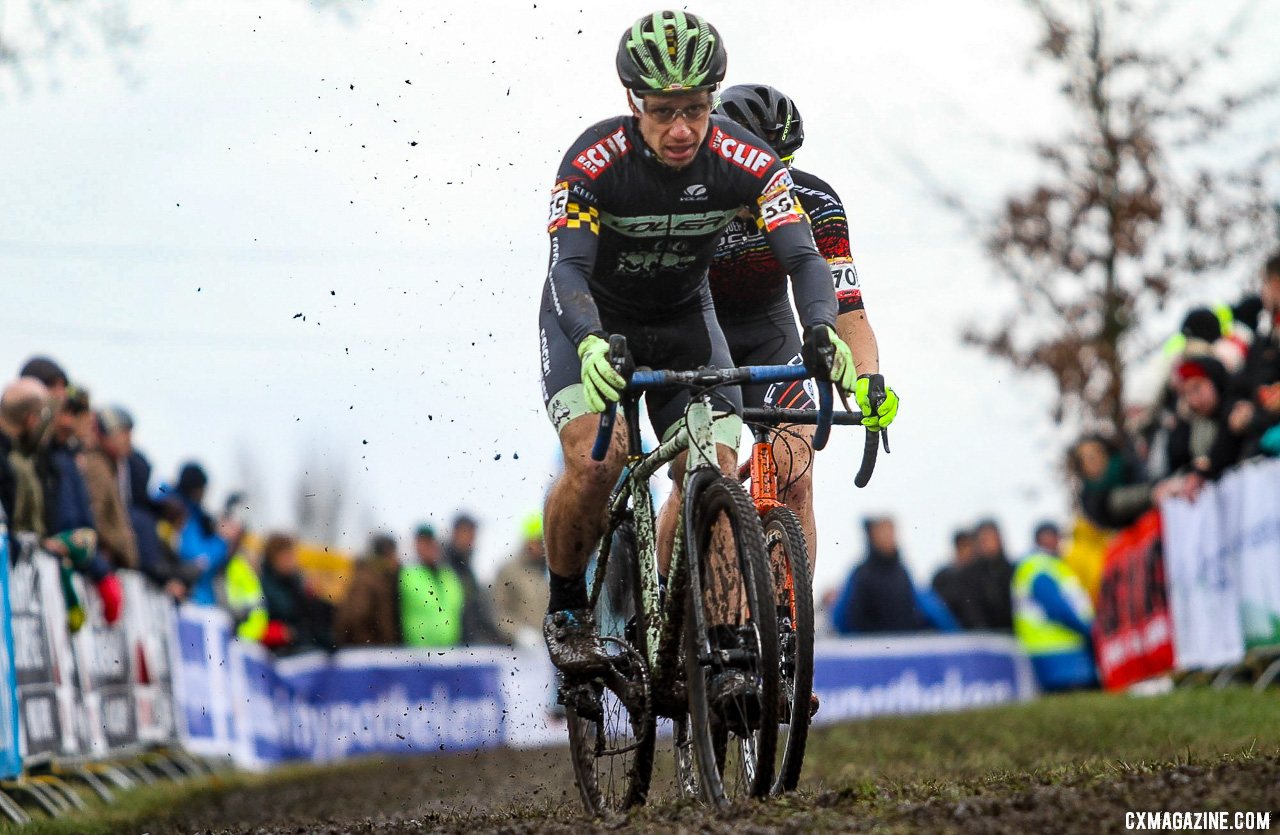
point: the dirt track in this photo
(519, 792)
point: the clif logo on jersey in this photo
(594, 160)
(747, 157)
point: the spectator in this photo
(988, 576)
(102, 466)
(1048, 539)
(521, 588)
(70, 506)
(28, 494)
(1053, 621)
(198, 544)
(1257, 417)
(50, 374)
(157, 557)
(290, 601)
(432, 596)
(479, 626)
(1113, 493)
(1202, 444)
(879, 596)
(949, 583)
(369, 614)
(248, 604)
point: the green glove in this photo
(888, 408)
(843, 371)
(600, 383)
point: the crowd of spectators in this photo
(1218, 404)
(73, 482)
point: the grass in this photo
(868, 774)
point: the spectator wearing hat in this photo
(1201, 443)
(369, 614)
(479, 625)
(520, 590)
(432, 596)
(101, 465)
(198, 544)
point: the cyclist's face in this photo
(674, 125)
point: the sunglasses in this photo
(665, 115)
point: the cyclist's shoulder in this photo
(812, 188)
(600, 146)
(739, 152)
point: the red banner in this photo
(1133, 633)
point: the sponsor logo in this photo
(745, 156)
(546, 353)
(672, 254)
(559, 213)
(653, 226)
(595, 159)
(697, 191)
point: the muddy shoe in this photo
(572, 643)
(735, 699)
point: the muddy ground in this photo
(532, 792)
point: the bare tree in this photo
(1131, 210)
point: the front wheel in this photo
(731, 643)
(793, 590)
(612, 727)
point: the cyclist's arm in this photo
(831, 233)
(574, 226)
(787, 229)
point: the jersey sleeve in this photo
(781, 218)
(574, 227)
(831, 233)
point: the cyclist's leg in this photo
(575, 512)
(776, 341)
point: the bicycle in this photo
(662, 656)
(792, 571)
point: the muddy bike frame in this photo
(663, 622)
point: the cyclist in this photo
(749, 286)
(638, 205)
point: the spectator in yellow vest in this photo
(431, 596)
(1053, 620)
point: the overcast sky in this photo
(290, 236)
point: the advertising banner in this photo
(898, 674)
(10, 747)
(1133, 632)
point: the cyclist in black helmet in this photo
(637, 207)
(749, 286)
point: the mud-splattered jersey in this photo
(746, 277)
(633, 237)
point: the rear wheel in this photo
(611, 722)
(793, 590)
(731, 635)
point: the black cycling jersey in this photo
(633, 238)
(745, 275)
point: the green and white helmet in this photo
(671, 52)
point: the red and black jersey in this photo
(633, 237)
(745, 275)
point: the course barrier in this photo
(1195, 586)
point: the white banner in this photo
(1255, 542)
(1222, 563)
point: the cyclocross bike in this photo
(717, 615)
(792, 571)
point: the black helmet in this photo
(671, 52)
(766, 112)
